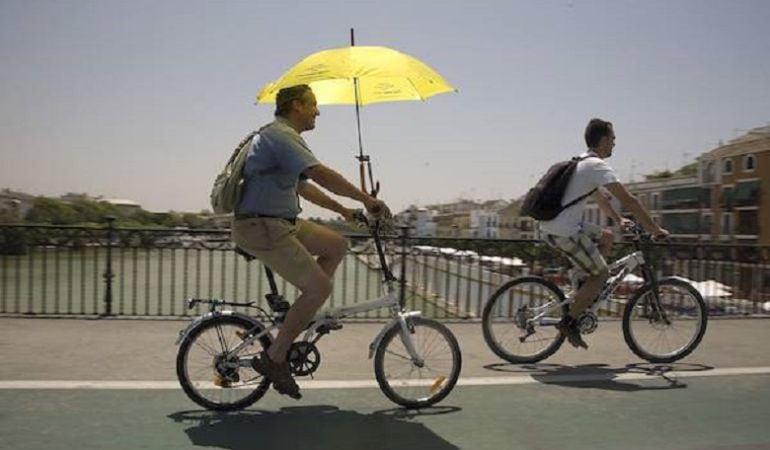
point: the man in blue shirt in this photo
(279, 168)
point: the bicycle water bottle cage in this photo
(277, 303)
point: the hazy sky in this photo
(145, 99)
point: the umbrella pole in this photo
(363, 160)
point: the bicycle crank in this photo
(588, 322)
(304, 358)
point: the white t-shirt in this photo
(590, 173)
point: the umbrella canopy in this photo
(382, 75)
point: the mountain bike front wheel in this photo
(418, 383)
(666, 327)
(211, 375)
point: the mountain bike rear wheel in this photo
(519, 320)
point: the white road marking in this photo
(357, 384)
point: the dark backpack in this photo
(543, 202)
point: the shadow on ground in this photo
(313, 427)
(602, 376)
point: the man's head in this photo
(298, 105)
(600, 137)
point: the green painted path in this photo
(692, 413)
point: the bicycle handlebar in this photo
(640, 234)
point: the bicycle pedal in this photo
(328, 327)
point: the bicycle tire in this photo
(700, 314)
(188, 385)
(500, 295)
(441, 386)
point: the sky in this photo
(145, 100)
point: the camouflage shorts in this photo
(582, 248)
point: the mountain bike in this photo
(417, 361)
(663, 321)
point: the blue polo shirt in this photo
(273, 171)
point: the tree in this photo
(48, 210)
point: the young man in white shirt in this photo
(585, 243)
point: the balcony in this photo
(746, 194)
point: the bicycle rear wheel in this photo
(418, 384)
(210, 376)
(518, 320)
(669, 332)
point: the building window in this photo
(726, 223)
(746, 193)
(682, 198)
(747, 223)
(655, 201)
(749, 162)
(727, 166)
(706, 224)
(727, 198)
(681, 223)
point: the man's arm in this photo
(604, 204)
(336, 183)
(311, 193)
(635, 206)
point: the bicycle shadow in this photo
(312, 427)
(602, 376)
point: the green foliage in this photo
(89, 212)
(684, 171)
(9, 216)
(52, 211)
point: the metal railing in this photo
(93, 271)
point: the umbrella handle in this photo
(362, 175)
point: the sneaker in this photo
(569, 328)
(278, 373)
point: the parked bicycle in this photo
(663, 321)
(417, 361)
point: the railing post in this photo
(402, 276)
(108, 274)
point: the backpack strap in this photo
(577, 159)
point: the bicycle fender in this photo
(397, 321)
(678, 278)
(183, 333)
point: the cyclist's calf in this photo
(316, 290)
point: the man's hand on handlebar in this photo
(658, 233)
(349, 214)
(377, 208)
(661, 234)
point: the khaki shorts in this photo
(582, 248)
(276, 243)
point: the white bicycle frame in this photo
(332, 315)
(623, 266)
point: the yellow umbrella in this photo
(380, 73)
(361, 76)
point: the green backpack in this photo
(226, 192)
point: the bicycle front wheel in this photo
(519, 320)
(211, 375)
(418, 383)
(667, 328)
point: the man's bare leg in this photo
(331, 249)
